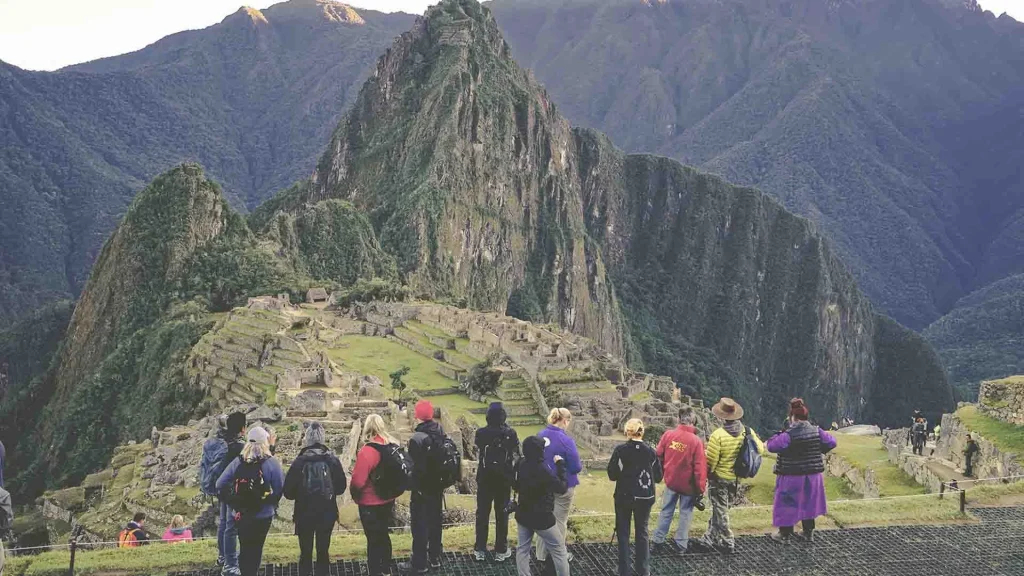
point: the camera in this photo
(698, 502)
(511, 507)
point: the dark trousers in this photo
(252, 534)
(322, 535)
(425, 509)
(376, 521)
(490, 495)
(968, 466)
(637, 512)
(807, 525)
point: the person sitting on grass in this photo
(134, 535)
(177, 531)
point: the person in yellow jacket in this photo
(723, 448)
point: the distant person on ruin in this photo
(723, 449)
(557, 442)
(538, 485)
(134, 535)
(253, 484)
(919, 436)
(380, 475)
(427, 499)
(799, 470)
(177, 531)
(314, 481)
(969, 452)
(685, 467)
(498, 447)
(218, 452)
(636, 471)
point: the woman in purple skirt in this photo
(799, 483)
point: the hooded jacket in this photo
(272, 475)
(724, 447)
(635, 469)
(308, 513)
(140, 535)
(178, 535)
(537, 486)
(423, 448)
(558, 443)
(486, 436)
(361, 486)
(682, 457)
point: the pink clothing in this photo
(360, 485)
(176, 535)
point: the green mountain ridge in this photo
(454, 173)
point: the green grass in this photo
(865, 452)
(1005, 436)
(460, 405)
(380, 357)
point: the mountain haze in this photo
(253, 98)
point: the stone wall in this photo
(1003, 399)
(920, 468)
(862, 482)
(989, 462)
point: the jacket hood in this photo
(179, 531)
(533, 449)
(133, 525)
(314, 451)
(496, 415)
(228, 437)
(429, 427)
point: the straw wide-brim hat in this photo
(727, 409)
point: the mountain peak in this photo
(254, 14)
(318, 10)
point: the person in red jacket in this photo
(686, 477)
(375, 513)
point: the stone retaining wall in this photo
(917, 467)
(862, 482)
(1003, 399)
(989, 462)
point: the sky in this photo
(50, 34)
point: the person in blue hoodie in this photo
(253, 521)
(558, 443)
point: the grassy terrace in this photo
(380, 357)
(866, 452)
(592, 498)
(1005, 436)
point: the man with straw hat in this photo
(723, 448)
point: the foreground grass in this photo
(585, 526)
(1005, 436)
(865, 452)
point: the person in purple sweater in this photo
(799, 482)
(558, 443)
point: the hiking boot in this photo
(233, 571)
(406, 568)
(778, 537)
(502, 556)
(479, 555)
(808, 536)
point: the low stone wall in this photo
(917, 467)
(1003, 399)
(989, 462)
(862, 482)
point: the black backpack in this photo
(748, 461)
(498, 459)
(317, 482)
(249, 490)
(449, 463)
(393, 475)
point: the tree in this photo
(399, 385)
(483, 380)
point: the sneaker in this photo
(778, 537)
(225, 571)
(569, 557)
(435, 564)
(807, 536)
(479, 555)
(725, 549)
(502, 556)
(406, 568)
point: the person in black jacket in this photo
(314, 480)
(427, 497)
(537, 487)
(635, 469)
(498, 446)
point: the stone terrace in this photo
(990, 548)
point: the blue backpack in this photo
(215, 452)
(748, 461)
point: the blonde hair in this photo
(177, 521)
(374, 426)
(254, 451)
(635, 429)
(559, 415)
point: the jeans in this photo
(638, 512)
(227, 537)
(252, 534)
(968, 466)
(425, 510)
(496, 496)
(322, 535)
(563, 504)
(669, 502)
(555, 545)
(376, 521)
